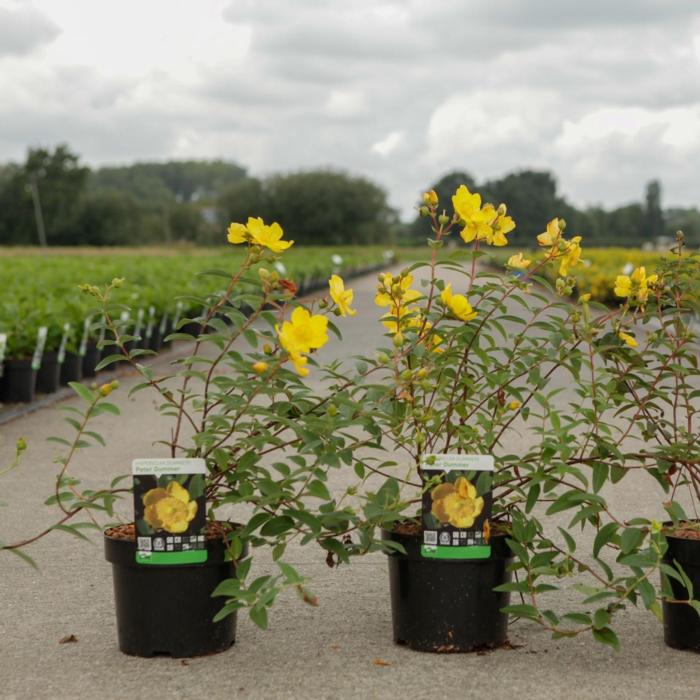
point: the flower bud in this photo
(562, 225)
(260, 367)
(117, 282)
(406, 375)
(264, 274)
(382, 358)
(443, 219)
(514, 405)
(323, 304)
(268, 349)
(106, 390)
(398, 340)
(422, 372)
(502, 209)
(21, 445)
(332, 410)
(424, 211)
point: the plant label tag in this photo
(84, 340)
(170, 511)
(3, 350)
(139, 324)
(39, 349)
(456, 506)
(163, 325)
(151, 321)
(62, 346)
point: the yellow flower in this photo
(457, 304)
(518, 262)
(430, 197)
(551, 236)
(392, 288)
(169, 509)
(258, 233)
(514, 405)
(260, 367)
(237, 233)
(571, 256)
(628, 339)
(301, 335)
(456, 504)
(623, 286)
(585, 298)
(501, 226)
(466, 204)
(341, 296)
(267, 236)
(304, 332)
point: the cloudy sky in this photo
(604, 93)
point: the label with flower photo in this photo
(170, 511)
(456, 507)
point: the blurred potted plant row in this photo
(49, 331)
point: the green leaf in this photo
(606, 534)
(607, 636)
(277, 525)
(82, 391)
(258, 615)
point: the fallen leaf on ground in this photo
(381, 662)
(335, 647)
(68, 639)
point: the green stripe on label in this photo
(440, 552)
(193, 556)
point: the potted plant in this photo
(25, 342)
(238, 403)
(473, 367)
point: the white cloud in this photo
(388, 144)
(605, 94)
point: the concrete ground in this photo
(341, 649)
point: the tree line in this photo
(52, 197)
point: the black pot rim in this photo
(123, 552)
(412, 544)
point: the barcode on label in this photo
(430, 537)
(144, 544)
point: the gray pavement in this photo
(337, 650)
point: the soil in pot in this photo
(18, 383)
(91, 359)
(682, 622)
(72, 368)
(447, 605)
(49, 374)
(168, 610)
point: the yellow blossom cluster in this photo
(567, 252)
(635, 286)
(256, 232)
(481, 222)
(300, 335)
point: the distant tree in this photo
(111, 217)
(58, 181)
(686, 220)
(625, 226)
(653, 213)
(182, 181)
(322, 207)
(243, 199)
(531, 197)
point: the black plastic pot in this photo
(18, 382)
(72, 368)
(49, 374)
(447, 605)
(155, 342)
(168, 610)
(91, 359)
(681, 622)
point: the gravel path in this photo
(327, 652)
